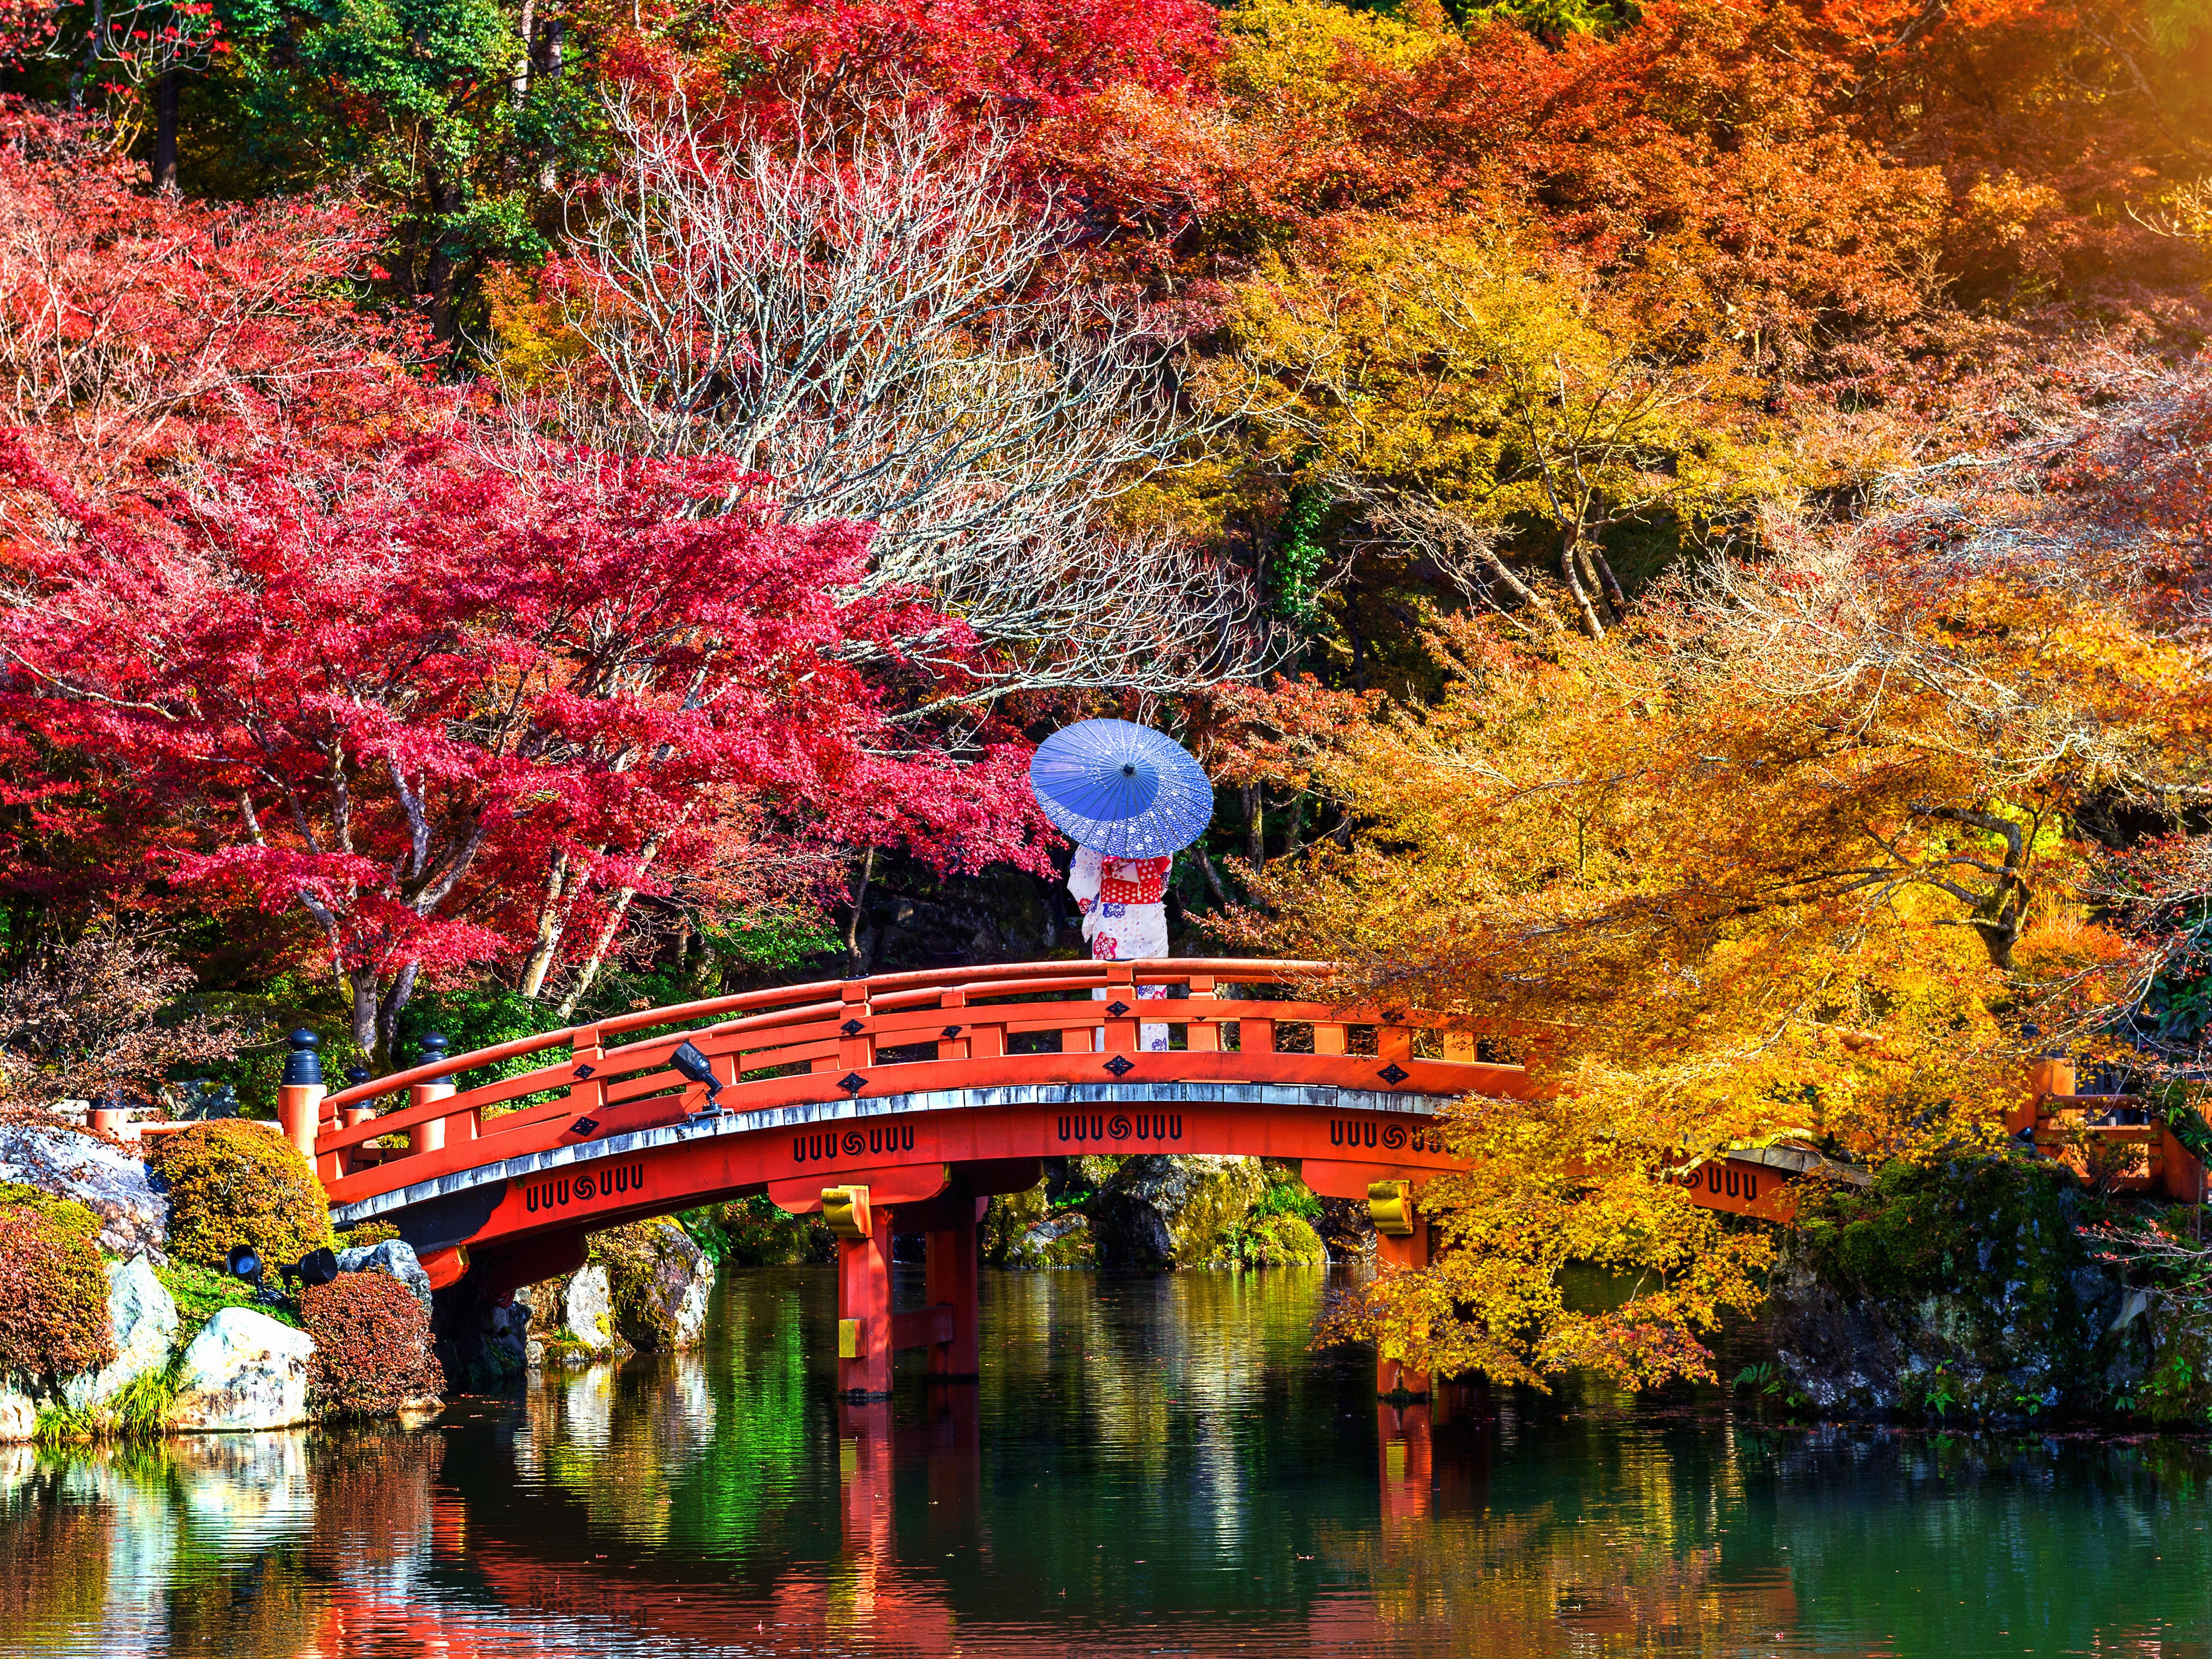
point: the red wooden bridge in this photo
(903, 1103)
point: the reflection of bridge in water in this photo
(901, 1104)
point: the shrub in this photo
(65, 1212)
(1284, 1239)
(372, 1346)
(752, 1233)
(231, 1182)
(200, 1293)
(53, 1297)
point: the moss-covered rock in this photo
(58, 1160)
(658, 1280)
(1173, 1210)
(2176, 1385)
(1958, 1292)
(1031, 1229)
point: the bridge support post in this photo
(864, 1312)
(1398, 1247)
(951, 1254)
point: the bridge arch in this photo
(904, 1102)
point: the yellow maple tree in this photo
(1799, 854)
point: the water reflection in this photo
(1149, 1465)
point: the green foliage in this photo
(61, 1424)
(140, 1409)
(53, 1297)
(472, 1016)
(372, 1346)
(1551, 20)
(1295, 567)
(773, 938)
(200, 1293)
(1767, 1385)
(752, 1233)
(415, 100)
(1280, 1239)
(1287, 1196)
(232, 1183)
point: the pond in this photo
(1149, 1466)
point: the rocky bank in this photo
(1965, 1293)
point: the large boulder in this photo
(1172, 1210)
(109, 1181)
(572, 1318)
(19, 1413)
(393, 1257)
(1057, 1239)
(658, 1281)
(143, 1317)
(243, 1371)
(1965, 1292)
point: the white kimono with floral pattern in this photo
(1124, 918)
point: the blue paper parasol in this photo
(1124, 791)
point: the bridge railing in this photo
(767, 1048)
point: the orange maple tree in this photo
(1799, 854)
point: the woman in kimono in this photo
(1125, 919)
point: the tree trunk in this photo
(167, 91)
(1569, 564)
(93, 38)
(859, 901)
(440, 275)
(1610, 583)
(590, 972)
(1213, 879)
(550, 927)
(557, 31)
(1255, 826)
(646, 855)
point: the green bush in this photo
(752, 1233)
(372, 1346)
(232, 1183)
(1280, 1240)
(200, 1293)
(53, 1296)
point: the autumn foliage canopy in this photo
(1679, 531)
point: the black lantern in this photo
(696, 1067)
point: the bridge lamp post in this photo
(693, 1066)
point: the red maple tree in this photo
(456, 712)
